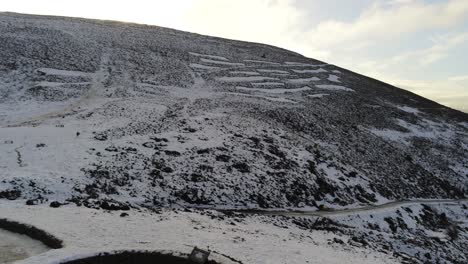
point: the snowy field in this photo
(250, 239)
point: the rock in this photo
(276, 151)
(158, 163)
(360, 240)
(242, 167)
(55, 204)
(167, 170)
(99, 174)
(100, 137)
(156, 139)
(10, 194)
(338, 241)
(203, 151)
(197, 177)
(325, 187)
(156, 174)
(151, 145)
(223, 158)
(190, 130)
(36, 201)
(262, 201)
(193, 195)
(114, 206)
(40, 145)
(205, 168)
(112, 149)
(428, 255)
(123, 214)
(131, 150)
(172, 153)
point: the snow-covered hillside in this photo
(116, 116)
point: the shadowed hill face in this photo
(172, 118)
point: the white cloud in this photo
(423, 57)
(445, 92)
(381, 21)
(266, 21)
(459, 78)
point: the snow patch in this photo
(333, 78)
(272, 71)
(221, 62)
(320, 95)
(244, 73)
(203, 67)
(50, 71)
(265, 62)
(310, 71)
(268, 84)
(334, 87)
(408, 109)
(276, 91)
(274, 99)
(245, 79)
(303, 80)
(208, 56)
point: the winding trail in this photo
(350, 211)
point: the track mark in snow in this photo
(58, 84)
(294, 63)
(275, 91)
(320, 95)
(245, 79)
(274, 99)
(221, 62)
(310, 71)
(298, 64)
(334, 87)
(303, 80)
(244, 73)
(272, 71)
(268, 84)
(263, 62)
(50, 71)
(408, 109)
(203, 67)
(208, 56)
(282, 75)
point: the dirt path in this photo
(351, 211)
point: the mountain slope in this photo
(119, 116)
(169, 118)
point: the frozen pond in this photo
(15, 247)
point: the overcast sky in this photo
(418, 45)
